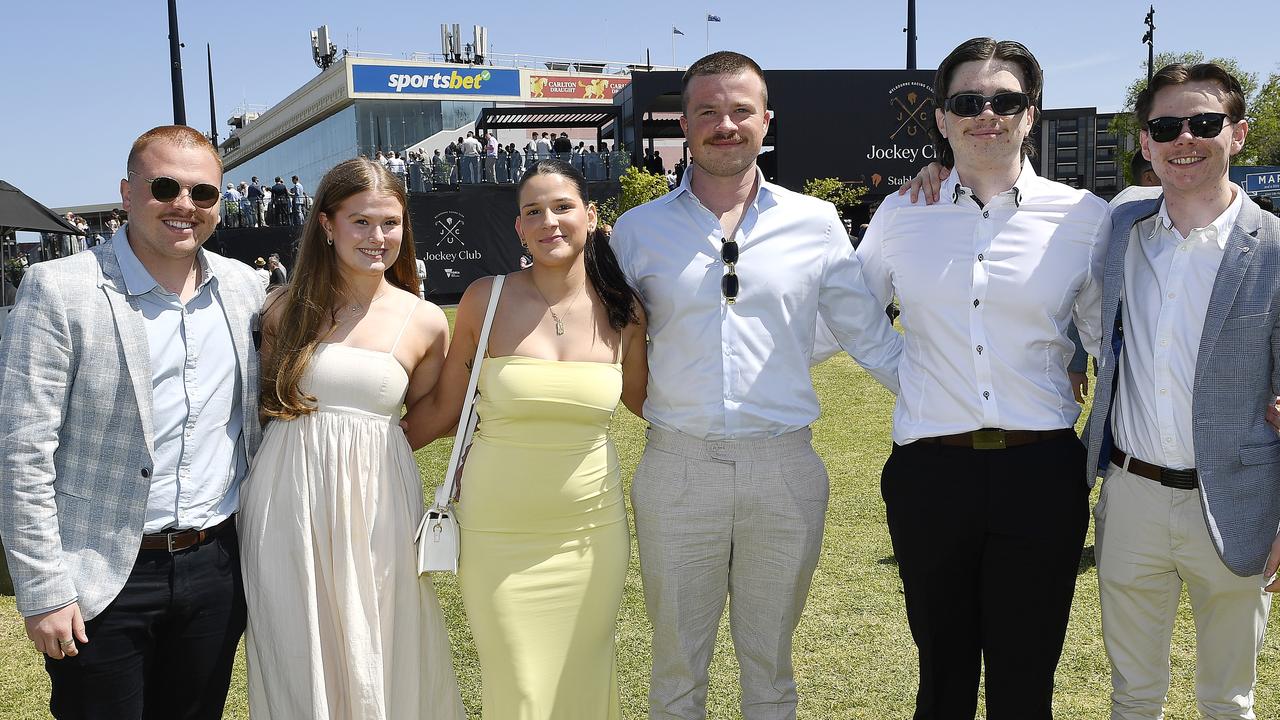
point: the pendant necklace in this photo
(559, 320)
(357, 309)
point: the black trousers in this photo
(988, 546)
(164, 647)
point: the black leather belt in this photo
(1177, 479)
(182, 539)
(996, 439)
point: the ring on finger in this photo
(66, 643)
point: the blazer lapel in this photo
(132, 336)
(1236, 258)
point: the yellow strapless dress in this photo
(544, 539)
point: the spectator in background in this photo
(453, 156)
(543, 147)
(471, 150)
(275, 257)
(1141, 171)
(113, 223)
(276, 274)
(299, 201)
(514, 163)
(490, 157)
(562, 147)
(279, 202)
(257, 198)
(230, 207)
(439, 171)
(260, 269)
(422, 277)
(395, 165)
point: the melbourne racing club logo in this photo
(448, 226)
(911, 108)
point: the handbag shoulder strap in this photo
(467, 419)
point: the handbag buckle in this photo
(988, 439)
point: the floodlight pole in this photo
(1150, 40)
(175, 66)
(910, 30)
(213, 114)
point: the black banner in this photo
(461, 235)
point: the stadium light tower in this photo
(175, 66)
(1150, 40)
(910, 30)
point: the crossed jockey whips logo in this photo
(913, 111)
(449, 226)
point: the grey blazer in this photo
(76, 428)
(1237, 375)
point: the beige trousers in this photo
(1150, 541)
(737, 520)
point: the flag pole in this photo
(673, 46)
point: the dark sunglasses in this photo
(729, 282)
(1204, 125)
(166, 189)
(972, 104)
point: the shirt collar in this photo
(137, 280)
(952, 187)
(762, 185)
(1217, 231)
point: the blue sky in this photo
(83, 78)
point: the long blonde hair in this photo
(307, 307)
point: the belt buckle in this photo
(988, 440)
(1178, 479)
(168, 539)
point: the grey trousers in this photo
(717, 519)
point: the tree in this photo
(835, 191)
(638, 187)
(1267, 136)
(1264, 124)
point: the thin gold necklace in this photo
(557, 318)
(358, 309)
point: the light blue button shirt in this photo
(195, 385)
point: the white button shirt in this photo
(986, 295)
(1168, 280)
(735, 372)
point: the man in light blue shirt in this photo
(730, 497)
(129, 381)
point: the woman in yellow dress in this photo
(544, 530)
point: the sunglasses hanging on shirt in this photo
(972, 104)
(165, 189)
(1204, 125)
(729, 281)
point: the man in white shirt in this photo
(730, 497)
(983, 489)
(471, 150)
(1192, 489)
(544, 147)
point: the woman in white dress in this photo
(340, 624)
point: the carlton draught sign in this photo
(575, 87)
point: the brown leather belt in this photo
(1177, 479)
(183, 539)
(996, 439)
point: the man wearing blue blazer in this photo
(1190, 360)
(129, 383)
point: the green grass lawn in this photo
(853, 654)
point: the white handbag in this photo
(437, 538)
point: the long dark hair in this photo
(603, 271)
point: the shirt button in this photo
(986, 214)
(1172, 295)
(1164, 341)
(975, 302)
(986, 395)
(1164, 391)
(979, 349)
(981, 257)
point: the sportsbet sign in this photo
(431, 80)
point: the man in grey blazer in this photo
(1190, 360)
(129, 379)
